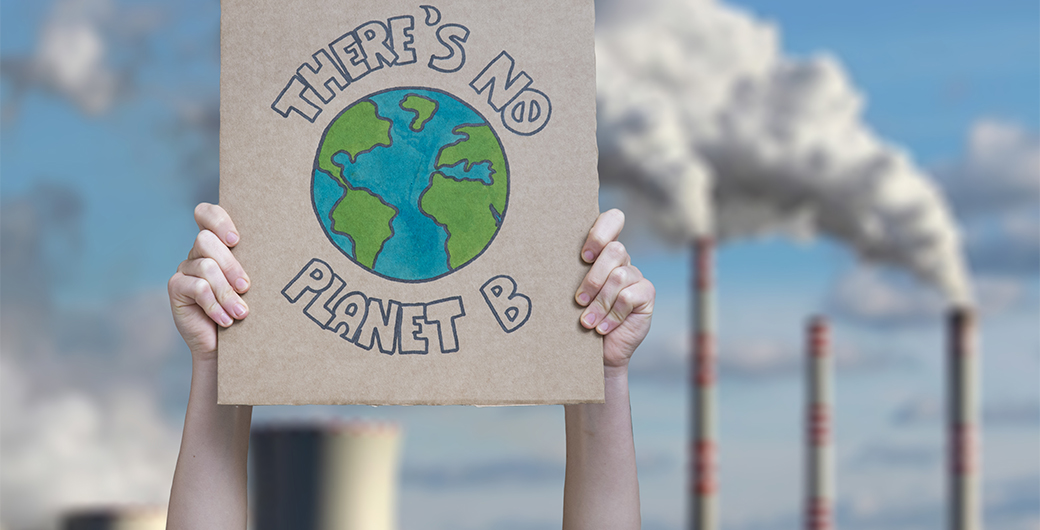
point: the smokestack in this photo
(703, 502)
(341, 476)
(819, 457)
(962, 422)
(111, 518)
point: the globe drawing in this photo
(410, 183)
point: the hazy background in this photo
(786, 113)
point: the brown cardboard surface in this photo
(494, 327)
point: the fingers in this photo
(211, 278)
(186, 291)
(612, 303)
(637, 298)
(612, 289)
(213, 218)
(611, 257)
(606, 229)
(208, 245)
(217, 290)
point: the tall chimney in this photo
(962, 422)
(339, 476)
(703, 503)
(819, 456)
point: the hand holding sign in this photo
(619, 300)
(206, 287)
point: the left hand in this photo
(618, 300)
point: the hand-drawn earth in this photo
(410, 183)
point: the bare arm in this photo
(209, 483)
(601, 490)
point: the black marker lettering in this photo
(315, 277)
(397, 327)
(527, 113)
(380, 326)
(401, 39)
(349, 313)
(510, 308)
(451, 36)
(413, 333)
(350, 56)
(319, 309)
(292, 99)
(374, 38)
(442, 314)
(498, 75)
(322, 78)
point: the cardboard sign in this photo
(413, 184)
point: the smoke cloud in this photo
(700, 109)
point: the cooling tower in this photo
(819, 451)
(337, 476)
(702, 483)
(112, 518)
(962, 421)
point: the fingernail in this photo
(588, 256)
(225, 319)
(583, 299)
(240, 310)
(590, 319)
(604, 326)
(241, 284)
(232, 238)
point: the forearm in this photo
(209, 483)
(601, 490)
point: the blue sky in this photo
(930, 72)
(929, 68)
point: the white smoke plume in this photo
(700, 109)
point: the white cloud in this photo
(752, 359)
(82, 387)
(70, 449)
(1000, 170)
(86, 52)
(881, 297)
(71, 57)
(1023, 412)
(697, 98)
(919, 409)
(995, 189)
(872, 295)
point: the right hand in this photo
(204, 292)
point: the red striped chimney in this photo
(819, 457)
(962, 421)
(702, 482)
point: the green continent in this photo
(365, 218)
(422, 107)
(357, 130)
(481, 145)
(463, 207)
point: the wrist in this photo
(204, 362)
(615, 372)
